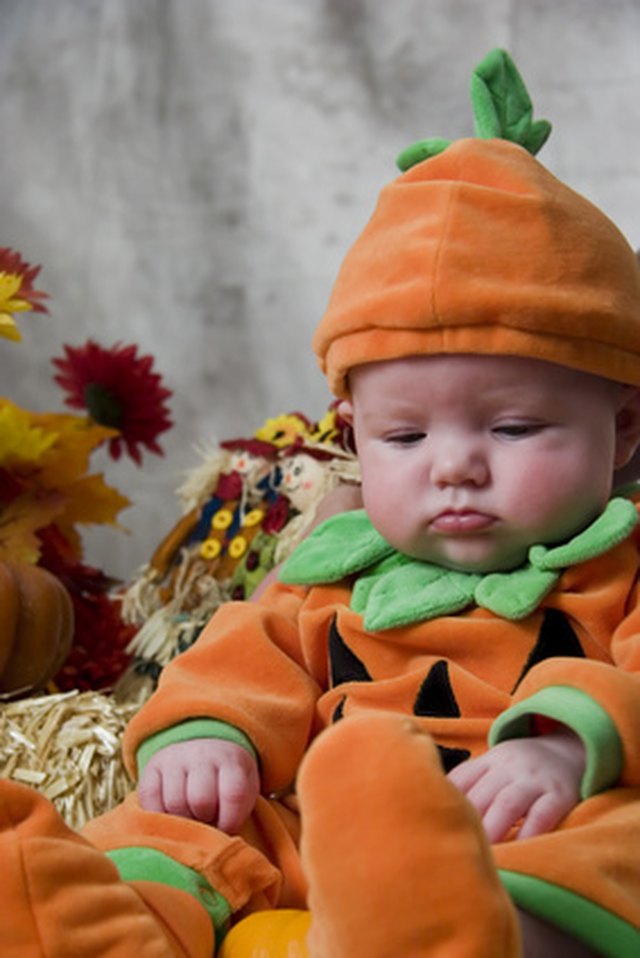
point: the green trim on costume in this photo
(186, 731)
(141, 863)
(584, 920)
(584, 716)
(394, 590)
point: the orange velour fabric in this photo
(482, 250)
(62, 898)
(286, 668)
(411, 864)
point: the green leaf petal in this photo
(344, 544)
(514, 595)
(501, 103)
(416, 592)
(422, 150)
(613, 526)
(537, 136)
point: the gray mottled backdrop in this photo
(191, 173)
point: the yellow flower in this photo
(326, 429)
(17, 294)
(283, 430)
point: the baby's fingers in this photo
(466, 775)
(202, 794)
(160, 790)
(238, 789)
(543, 815)
(150, 790)
(174, 792)
(508, 807)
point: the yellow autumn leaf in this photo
(68, 457)
(20, 439)
(91, 501)
(21, 520)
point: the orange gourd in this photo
(280, 933)
(36, 627)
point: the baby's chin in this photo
(475, 561)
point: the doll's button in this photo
(253, 518)
(222, 519)
(237, 547)
(210, 549)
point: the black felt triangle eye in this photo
(345, 664)
(556, 638)
(435, 697)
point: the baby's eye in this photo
(406, 438)
(516, 430)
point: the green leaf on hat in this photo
(502, 106)
(422, 150)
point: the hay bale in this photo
(68, 747)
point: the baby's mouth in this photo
(462, 521)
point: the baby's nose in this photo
(457, 465)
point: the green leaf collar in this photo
(392, 589)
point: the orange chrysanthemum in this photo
(118, 389)
(17, 294)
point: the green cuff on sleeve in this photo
(141, 863)
(186, 731)
(584, 716)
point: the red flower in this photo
(119, 389)
(98, 656)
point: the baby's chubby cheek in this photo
(553, 509)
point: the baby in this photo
(427, 733)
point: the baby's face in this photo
(467, 461)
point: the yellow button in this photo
(237, 547)
(253, 518)
(222, 519)
(210, 549)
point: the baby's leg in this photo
(396, 859)
(135, 883)
(61, 897)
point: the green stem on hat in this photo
(502, 108)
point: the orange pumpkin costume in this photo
(308, 660)
(480, 250)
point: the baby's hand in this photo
(208, 779)
(536, 780)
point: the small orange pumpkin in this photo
(280, 933)
(36, 627)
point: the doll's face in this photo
(467, 461)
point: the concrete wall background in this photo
(190, 174)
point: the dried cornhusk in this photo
(68, 747)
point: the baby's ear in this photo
(345, 410)
(627, 427)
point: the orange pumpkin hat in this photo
(479, 249)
